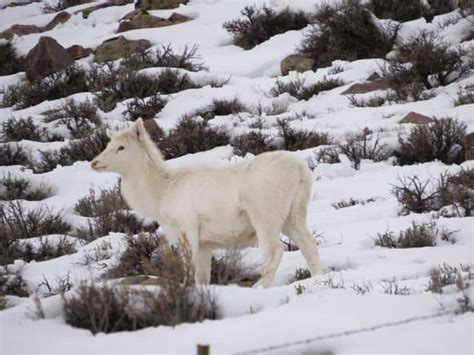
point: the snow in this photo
(259, 318)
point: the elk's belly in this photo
(227, 229)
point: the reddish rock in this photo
(19, 30)
(179, 18)
(143, 21)
(77, 52)
(47, 57)
(469, 146)
(87, 11)
(362, 88)
(416, 118)
(134, 14)
(62, 17)
(118, 47)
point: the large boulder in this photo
(118, 47)
(62, 17)
(19, 30)
(296, 62)
(47, 57)
(362, 88)
(143, 21)
(178, 18)
(416, 118)
(158, 4)
(469, 146)
(77, 52)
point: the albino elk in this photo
(232, 206)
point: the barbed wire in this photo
(343, 333)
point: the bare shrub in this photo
(409, 72)
(66, 82)
(13, 154)
(351, 202)
(445, 275)
(16, 188)
(418, 235)
(254, 142)
(61, 286)
(441, 140)
(84, 149)
(465, 303)
(349, 33)
(439, 7)
(223, 107)
(13, 285)
(362, 289)
(466, 7)
(191, 136)
(374, 101)
(10, 63)
(391, 287)
(117, 84)
(465, 96)
(230, 269)
(108, 212)
(327, 155)
(415, 195)
(46, 250)
(260, 24)
(298, 139)
(402, 11)
(17, 129)
(363, 145)
(144, 108)
(140, 249)
(20, 222)
(457, 190)
(80, 118)
(301, 274)
(108, 309)
(299, 90)
(165, 57)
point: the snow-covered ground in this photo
(333, 318)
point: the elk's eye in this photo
(120, 148)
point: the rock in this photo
(469, 146)
(143, 21)
(134, 14)
(179, 18)
(362, 88)
(87, 11)
(121, 2)
(416, 118)
(62, 17)
(119, 47)
(77, 52)
(47, 57)
(158, 4)
(296, 62)
(19, 30)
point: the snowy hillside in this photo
(392, 163)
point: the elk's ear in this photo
(139, 129)
(109, 133)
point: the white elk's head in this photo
(125, 149)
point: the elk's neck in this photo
(143, 186)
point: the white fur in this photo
(216, 207)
